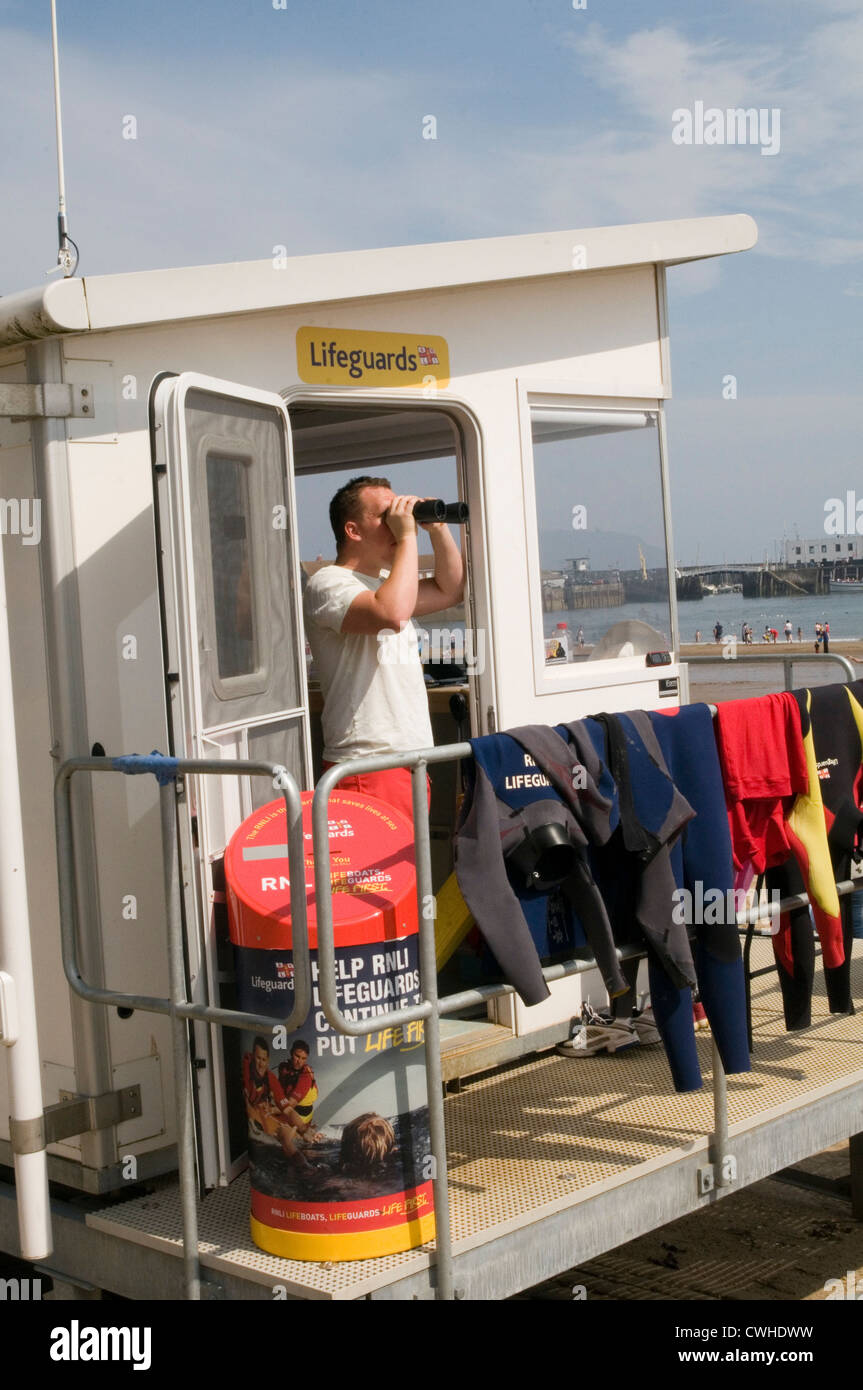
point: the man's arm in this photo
(277, 1091)
(447, 587)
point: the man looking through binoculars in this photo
(363, 641)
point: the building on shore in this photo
(815, 550)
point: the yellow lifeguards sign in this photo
(353, 357)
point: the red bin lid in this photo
(372, 873)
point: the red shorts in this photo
(392, 786)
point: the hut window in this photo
(229, 515)
(601, 534)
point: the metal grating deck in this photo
(534, 1141)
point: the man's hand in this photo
(400, 518)
(271, 1123)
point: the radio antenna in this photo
(66, 261)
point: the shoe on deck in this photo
(645, 1027)
(593, 1034)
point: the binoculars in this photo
(435, 510)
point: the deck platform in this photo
(552, 1162)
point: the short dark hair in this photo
(346, 505)
(301, 1043)
(261, 1042)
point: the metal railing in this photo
(431, 1007)
(181, 1010)
(771, 659)
(177, 1006)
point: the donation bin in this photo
(339, 1149)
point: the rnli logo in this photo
(353, 357)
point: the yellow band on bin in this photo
(366, 1245)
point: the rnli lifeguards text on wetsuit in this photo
(526, 779)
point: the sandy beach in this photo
(727, 681)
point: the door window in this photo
(235, 618)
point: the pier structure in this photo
(757, 579)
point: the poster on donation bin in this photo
(338, 1126)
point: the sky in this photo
(258, 126)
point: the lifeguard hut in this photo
(174, 432)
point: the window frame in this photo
(553, 679)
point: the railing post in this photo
(180, 1031)
(720, 1118)
(434, 1072)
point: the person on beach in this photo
(789, 631)
(825, 637)
(818, 635)
(717, 632)
(698, 634)
(799, 634)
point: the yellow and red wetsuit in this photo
(832, 719)
(778, 825)
(300, 1088)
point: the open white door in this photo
(235, 673)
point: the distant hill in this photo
(605, 549)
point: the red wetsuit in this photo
(763, 769)
(775, 810)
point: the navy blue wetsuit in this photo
(507, 797)
(703, 856)
(649, 799)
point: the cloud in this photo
(816, 82)
(236, 154)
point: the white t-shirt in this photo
(375, 698)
